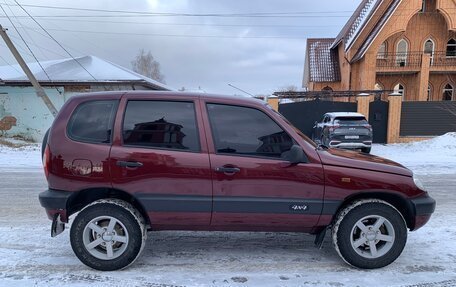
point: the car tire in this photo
(108, 234)
(369, 234)
(366, 149)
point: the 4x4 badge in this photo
(298, 207)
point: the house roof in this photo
(376, 30)
(70, 71)
(356, 23)
(322, 60)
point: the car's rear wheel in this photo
(108, 234)
(369, 234)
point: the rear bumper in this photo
(423, 207)
(55, 203)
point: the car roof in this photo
(190, 95)
(344, 114)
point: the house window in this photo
(451, 48)
(381, 54)
(401, 53)
(429, 48)
(399, 88)
(448, 93)
(423, 6)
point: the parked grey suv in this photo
(344, 130)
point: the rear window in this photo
(350, 121)
(93, 121)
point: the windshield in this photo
(303, 136)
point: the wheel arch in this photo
(399, 202)
(84, 197)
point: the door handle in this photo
(129, 163)
(228, 169)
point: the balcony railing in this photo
(413, 60)
(399, 60)
(443, 59)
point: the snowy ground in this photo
(30, 257)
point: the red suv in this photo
(130, 162)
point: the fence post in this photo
(273, 101)
(363, 101)
(394, 117)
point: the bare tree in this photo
(289, 88)
(146, 65)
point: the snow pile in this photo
(19, 155)
(433, 156)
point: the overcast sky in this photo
(257, 54)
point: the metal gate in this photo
(303, 115)
(378, 119)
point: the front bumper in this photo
(423, 208)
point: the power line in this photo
(15, 28)
(4, 60)
(200, 24)
(255, 14)
(38, 46)
(61, 46)
(26, 32)
(174, 35)
(184, 15)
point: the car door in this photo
(161, 158)
(254, 187)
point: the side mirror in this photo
(296, 155)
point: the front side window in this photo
(161, 124)
(92, 121)
(247, 131)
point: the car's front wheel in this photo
(108, 234)
(366, 149)
(369, 233)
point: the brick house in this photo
(408, 46)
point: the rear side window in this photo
(350, 121)
(93, 121)
(161, 124)
(247, 131)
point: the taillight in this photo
(47, 161)
(368, 127)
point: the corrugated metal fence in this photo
(428, 118)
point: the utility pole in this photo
(38, 89)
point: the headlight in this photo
(418, 182)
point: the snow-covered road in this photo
(30, 257)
